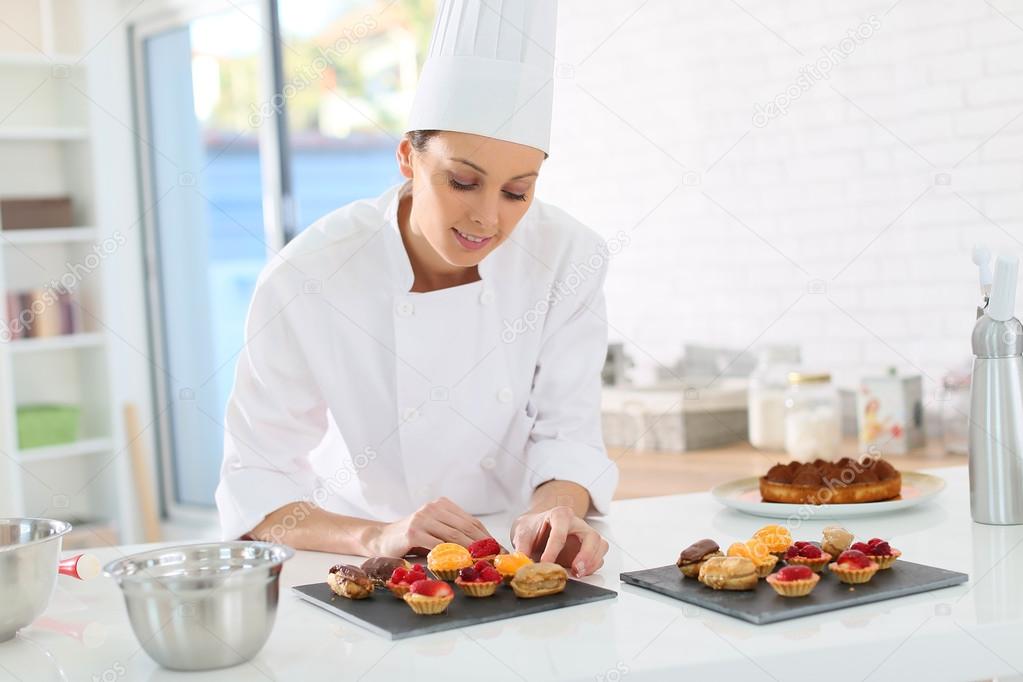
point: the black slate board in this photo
(391, 617)
(763, 605)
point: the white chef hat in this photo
(489, 71)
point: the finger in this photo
(560, 526)
(523, 539)
(456, 517)
(459, 526)
(589, 552)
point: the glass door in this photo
(200, 84)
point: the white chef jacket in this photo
(369, 400)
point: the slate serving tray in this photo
(390, 617)
(764, 605)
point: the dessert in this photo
(402, 578)
(729, 573)
(847, 481)
(793, 581)
(777, 538)
(693, 556)
(349, 581)
(479, 580)
(508, 564)
(807, 554)
(836, 540)
(486, 549)
(854, 567)
(755, 551)
(380, 568)
(879, 551)
(447, 559)
(539, 580)
(429, 597)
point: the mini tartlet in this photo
(350, 582)
(479, 580)
(729, 573)
(794, 581)
(693, 556)
(539, 580)
(402, 578)
(807, 554)
(508, 564)
(429, 597)
(777, 538)
(757, 552)
(879, 551)
(486, 549)
(447, 559)
(853, 567)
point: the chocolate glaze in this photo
(697, 550)
(380, 568)
(353, 573)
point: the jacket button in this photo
(505, 395)
(488, 463)
(410, 414)
(487, 297)
(404, 309)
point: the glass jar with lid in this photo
(813, 417)
(768, 384)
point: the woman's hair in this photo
(421, 138)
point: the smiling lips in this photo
(469, 241)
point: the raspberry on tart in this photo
(429, 597)
(807, 554)
(793, 581)
(854, 567)
(486, 549)
(481, 580)
(402, 578)
(879, 551)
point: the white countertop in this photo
(970, 631)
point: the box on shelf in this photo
(40, 313)
(35, 212)
(890, 413)
(676, 418)
(45, 425)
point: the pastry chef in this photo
(419, 359)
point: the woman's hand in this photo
(559, 535)
(435, 522)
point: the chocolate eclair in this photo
(349, 581)
(693, 556)
(380, 568)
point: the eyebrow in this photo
(471, 164)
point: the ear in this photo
(404, 156)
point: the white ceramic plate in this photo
(744, 495)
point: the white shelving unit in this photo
(46, 149)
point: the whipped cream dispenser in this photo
(996, 399)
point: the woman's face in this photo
(469, 192)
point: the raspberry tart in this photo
(853, 567)
(402, 578)
(480, 580)
(807, 554)
(429, 597)
(794, 581)
(883, 554)
(486, 549)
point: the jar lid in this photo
(808, 377)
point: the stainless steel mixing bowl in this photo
(29, 553)
(202, 607)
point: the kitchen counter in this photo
(970, 631)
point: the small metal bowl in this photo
(29, 554)
(202, 607)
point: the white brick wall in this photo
(730, 222)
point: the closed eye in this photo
(463, 187)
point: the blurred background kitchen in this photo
(791, 194)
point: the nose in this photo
(485, 213)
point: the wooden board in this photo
(764, 605)
(391, 617)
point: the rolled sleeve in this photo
(275, 417)
(566, 442)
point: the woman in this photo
(410, 365)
